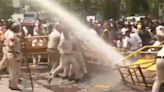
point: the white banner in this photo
(16, 3)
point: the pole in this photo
(49, 80)
(26, 60)
(29, 71)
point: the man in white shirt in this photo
(133, 40)
(53, 53)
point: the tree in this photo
(6, 8)
(137, 7)
(109, 8)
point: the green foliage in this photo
(137, 6)
(5, 8)
(110, 8)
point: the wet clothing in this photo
(67, 57)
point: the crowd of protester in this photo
(129, 35)
(125, 34)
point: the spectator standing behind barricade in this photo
(144, 35)
(37, 42)
(45, 28)
(25, 30)
(36, 30)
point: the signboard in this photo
(16, 4)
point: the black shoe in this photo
(17, 89)
(19, 81)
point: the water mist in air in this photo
(94, 41)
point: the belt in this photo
(66, 54)
(14, 52)
(52, 49)
(160, 57)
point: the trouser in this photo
(159, 75)
(53, 58)
(65, 62)
(82, 65)
(3, 62)
(36, 59)
(14, 70)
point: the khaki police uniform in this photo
(14, 57)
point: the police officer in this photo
(159, 64)
(67, 56)
(79, 57)
(14, 56)
(53, 53)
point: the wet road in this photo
(100, 79)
